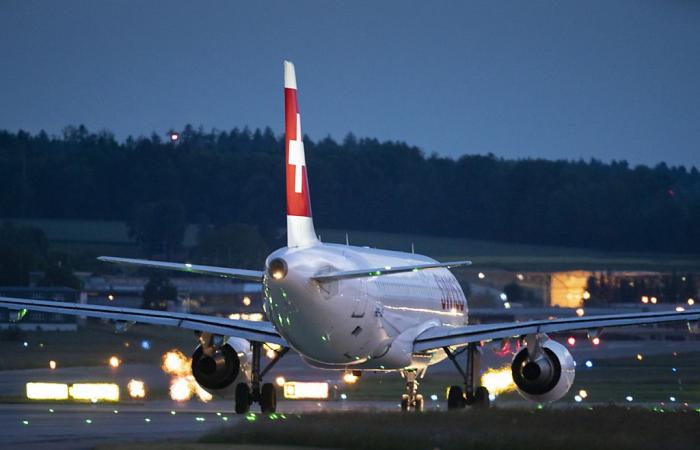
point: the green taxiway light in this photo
(250, 417)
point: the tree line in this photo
(226, 177)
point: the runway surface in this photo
(83, 426)
(34, 426)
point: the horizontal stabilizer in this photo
(388, 270)
(241, 274)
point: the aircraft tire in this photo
(243, 398)
(268, 398)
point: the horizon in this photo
(425, 154)
(550, 80)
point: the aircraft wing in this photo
(388, 270)
(442, 336)
(246, 329)
(241, 274)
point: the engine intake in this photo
(546, 378)
(217, 371)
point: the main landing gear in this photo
(258, 392)
(472, 395)
(412, 399)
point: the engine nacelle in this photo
(219, 373)
(546, 378)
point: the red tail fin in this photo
(300, 228)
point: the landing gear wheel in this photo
(243, 398)
(481, 398)
(419, 403)
(404, 402)
(455, 398)
(268, 398)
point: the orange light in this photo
(349, 378)
(653, 300)
(136, 388)
(279, 381)
(114, 362)
(180, 389)
(498, 381)
(645, 299)
(175, 362)
(246, 301)
(580, 312)
(52, 364)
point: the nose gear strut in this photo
(412, 399)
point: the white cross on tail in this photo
(296, 156)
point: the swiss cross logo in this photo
(298, 203)
(296, 157)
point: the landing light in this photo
(277, 268)
(47, 391)
(349, 378)
(94, 391)
(136, 388)
(301, 390)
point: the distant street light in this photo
(174, 136)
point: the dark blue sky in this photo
(553, 79)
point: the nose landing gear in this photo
(412, 399)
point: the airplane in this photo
(349, 308)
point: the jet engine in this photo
(548, 376)
(226, 366)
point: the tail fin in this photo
(300, 225)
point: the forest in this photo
(220, 178)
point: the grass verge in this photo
(576, 428)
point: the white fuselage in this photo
(360, 323)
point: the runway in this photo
(83, 426)
(34, 426)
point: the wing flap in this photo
(241, 274)
(387, 270)
(253, 331)
(442, 336)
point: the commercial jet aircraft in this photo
(354, 309)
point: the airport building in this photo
(39, 321)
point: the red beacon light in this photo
(595, 341)
(571, 341)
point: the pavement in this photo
(42, 426)
(83, 426)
